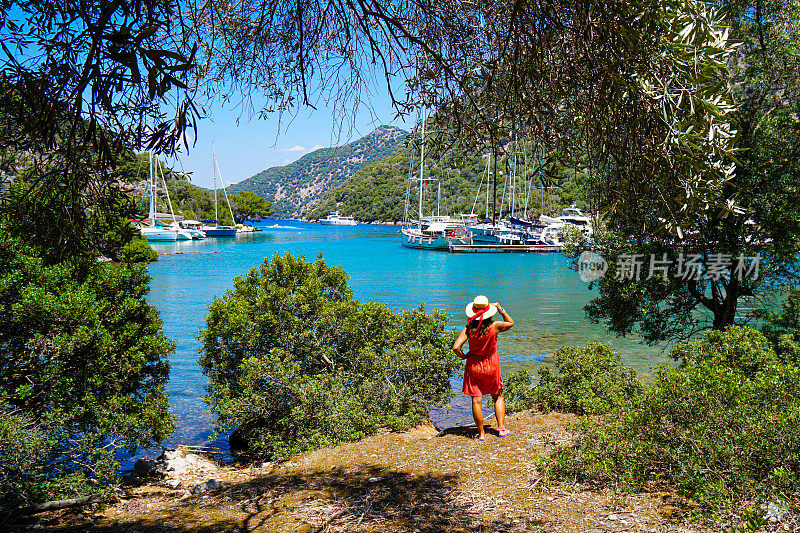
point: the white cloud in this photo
(293, 149)
(316, 147)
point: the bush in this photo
(782, 329)
(519, 391)
(138, 250)
(294, 363)
(83, 372)
(722, 428)
(588, 380)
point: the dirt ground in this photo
(414, 481)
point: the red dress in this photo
(482, 373)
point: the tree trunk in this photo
(59, 504)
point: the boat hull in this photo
(338, 222)
(154, 234)
(218, 231)
(412, 239)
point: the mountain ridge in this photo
(294, 188)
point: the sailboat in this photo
(488, 230)
(434, 232)
(183, 234)
(154, 232)
(216, 230)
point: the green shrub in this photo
(294, 363)
(721, 428)
(138, 250)
(782, 329)
(738, 348)
(587, 380)
(519, 391)
(83, 373)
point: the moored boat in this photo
(211, 228)
(435, 232)
(155, 231)
(335, 219)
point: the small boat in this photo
(191, 227)
(155, 231)
(211, 228)
(335, 219)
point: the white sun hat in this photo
(477, 305)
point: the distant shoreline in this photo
(315, 221)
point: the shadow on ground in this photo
(361, 498)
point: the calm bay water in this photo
(541, 293)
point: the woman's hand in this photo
(507, 322)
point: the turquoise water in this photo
(541, 293)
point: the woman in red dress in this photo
(482, 372)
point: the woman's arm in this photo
(462, 338)
(507, 322)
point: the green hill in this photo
(377, 192)
(293, 187)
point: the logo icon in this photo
(591, 267)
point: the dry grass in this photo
(409, 482)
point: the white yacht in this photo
(335, 219)
(571, 215)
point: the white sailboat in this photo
(434, 232)
(154, 232)
(216, 230)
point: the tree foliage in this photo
(762, 75)
(294, 363)
(82, 372)
(249, 205)
(639, 86)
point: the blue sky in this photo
(254, 144)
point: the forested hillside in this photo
(377, 192)
(293, 187)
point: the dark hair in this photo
(481, 327)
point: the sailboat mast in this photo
(494, 194)
(408, 184)
(166, 191)
(214, 175)
(225, 192)
(151, 183)
(421, 169)
(488, 171)
(514, 180)
(541, 178)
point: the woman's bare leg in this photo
(500, 413)
(477, 414)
